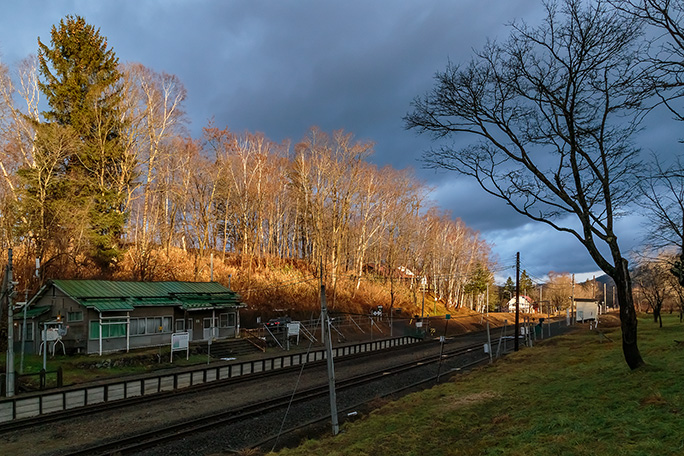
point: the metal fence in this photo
(46, 379)
(34, 404)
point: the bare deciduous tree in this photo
(651, 276)
(154, 107)
(558, 290)
(665, 55)
(553, 110)
(662, 191)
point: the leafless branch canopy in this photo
(553, 109)
(665, 55)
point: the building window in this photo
(75, 316)
(29, 331)
(227, 320)
(110, 329)
(138, 326)
(180, 325)
(152, 325)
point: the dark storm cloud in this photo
(282, 67)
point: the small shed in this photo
(97, 316)
(586, 309)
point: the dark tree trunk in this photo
(657, 315)
(628, 319)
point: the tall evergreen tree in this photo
(478, 280)
(82, 84)
(509, 286)
(526, 284)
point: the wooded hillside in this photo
(108, 183)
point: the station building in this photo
(100, 316)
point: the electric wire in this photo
(294, 391)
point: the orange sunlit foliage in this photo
(265, 214)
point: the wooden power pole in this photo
(8, 292)
(517, 301)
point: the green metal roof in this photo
(115, 289)
(105, 305)
(31, 312)
(201, 301)
(104, 295)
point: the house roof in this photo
(107, 296)
(31, 312)
(523, 300)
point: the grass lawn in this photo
(83, 368)
(570, 395)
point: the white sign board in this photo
(51, 334)
(293, 328)
(180, 341)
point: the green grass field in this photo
(83, 368)
(570, 395)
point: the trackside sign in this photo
(180, 341)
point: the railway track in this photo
(272, 441)
(173, 420)
(27, 423)
(136, 443)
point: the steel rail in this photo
(135, 443)
(352, 408)
(27, 423)
(59, 416)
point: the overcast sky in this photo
(280, 67)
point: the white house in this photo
(525, 304)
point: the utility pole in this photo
(573, 320)
(9, 293)
(517, 300)
(605, 300)
(391, 322)
(331, 368)
(422, 310)
(23, 334)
